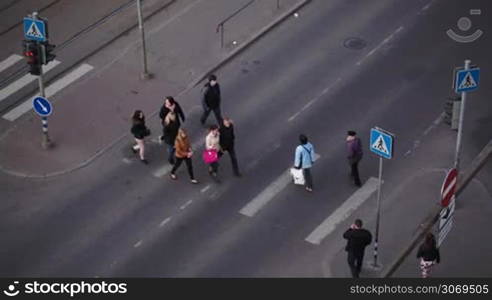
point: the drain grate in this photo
(354, 43)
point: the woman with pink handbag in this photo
(212, 148)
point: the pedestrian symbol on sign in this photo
(380, 145)
(467, 82)
(34, 31)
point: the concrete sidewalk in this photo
(93, 114)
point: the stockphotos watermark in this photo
(72, 288)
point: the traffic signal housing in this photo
(32, 53)
(47, 52)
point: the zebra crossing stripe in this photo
(9, 61)
(23, 81)
(50, 90)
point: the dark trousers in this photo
(354, 172)
(170, 153)
(189, 166)
(206, 112)
(232, 154)
(214, 167)
(308, 178)
(355, 262)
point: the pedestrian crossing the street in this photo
(22, 82)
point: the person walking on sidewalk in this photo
(212, 144)
(183, 152)
(357, 240)
(354, 149)
(428, 254)
(304, 159)
(227, 143)
(211, 100)
(171, 127)
(139, 131)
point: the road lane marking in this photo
(163, 170)
(205, 189)
(138, 244)
(186, 204)
(165, 221)
(385, 41)
(269, 193)
(23, 81)
(311, 102)
(127, 160)
(50, 91)
(344, 211)
(9, 61)
(159, 173)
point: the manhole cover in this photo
(354, 43)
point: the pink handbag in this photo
(210, 156)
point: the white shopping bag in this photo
(297, 175)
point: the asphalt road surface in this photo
(338, 66)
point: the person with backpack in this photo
(139, 131)
(303, 159)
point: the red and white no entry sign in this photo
(449, 187)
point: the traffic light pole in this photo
(45, 142)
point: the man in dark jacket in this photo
(357, 240)
(211, 100)
(227, 143)
(354, 150)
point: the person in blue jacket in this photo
(304, 158)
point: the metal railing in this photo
(220, 26)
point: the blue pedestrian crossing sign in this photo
(42, 106)
(381, 143)
(467, 80)
(34, 30)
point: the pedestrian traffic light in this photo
(47, 52)
(32, 54)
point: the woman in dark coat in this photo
(171, 127)
(170, 105)
(139, 131)
(428, 254)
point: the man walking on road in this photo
(357, 240)
(354, 149)
(211, 100)
(227, 138)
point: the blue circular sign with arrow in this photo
(42, 106)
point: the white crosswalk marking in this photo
(343, 212)
(50, 90)
(9, 61)
(269, 193)
(23, 81)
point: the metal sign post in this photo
(381, 142)
(466, 80)
(145, 73)
(45, 142)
